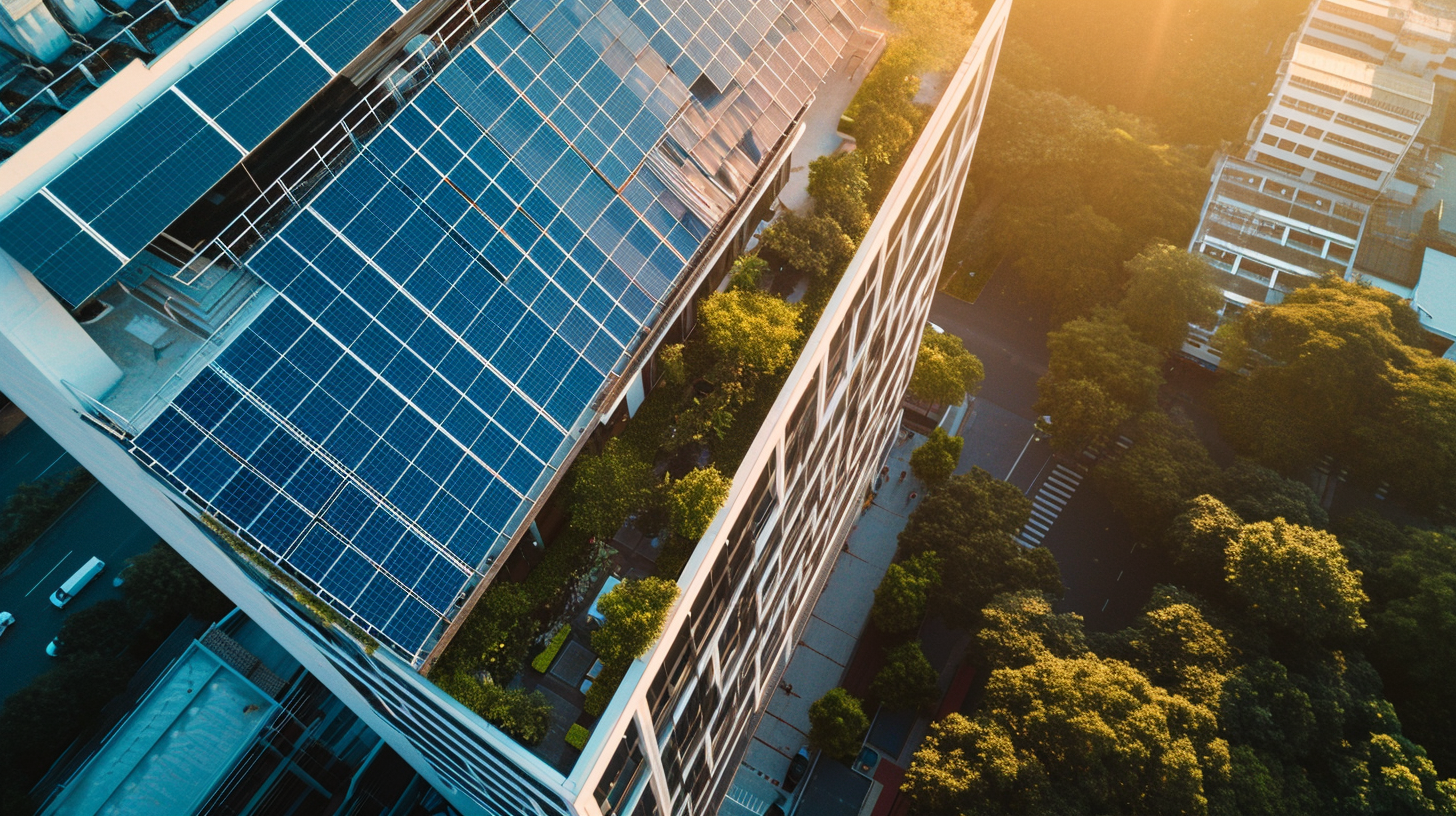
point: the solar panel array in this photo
(100, 212)
(453, 300)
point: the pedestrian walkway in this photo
(827, 645)
(1048, 502)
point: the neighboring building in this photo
(359, 280)
(1347, 147)
(229, 723)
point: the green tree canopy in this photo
(900, 599)
(1199, 537)
(1324, 366)
(936, 458)
(1150, 481)
(1078, 735)
(1175, 645)
(1021, 629)
(969, 522)
(524, 715)
(943, 29)
(1295, 579)
(694, 500)
(944, 371)
(1257, 493)
(104, 628)
(1104, 350)
(1263, 707)
(907, 681)
(751, 332)
(1083, 414)
(838, 185)
(1069, 259)
(635, 612)
(161, 583)
(748, 272)
(606, 488)
(1168, 289)
(837, 724)
(809, 245)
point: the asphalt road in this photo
(1107, 581)
(99, 524)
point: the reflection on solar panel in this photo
(454, 299)
(127, 189)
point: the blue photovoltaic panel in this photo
(255, 82)
(48, 243)
(454, 299)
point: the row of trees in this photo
(1252, 698)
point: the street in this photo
(99, 524)
(1107, 581)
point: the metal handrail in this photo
(336, 147)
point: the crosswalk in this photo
(1051, 497)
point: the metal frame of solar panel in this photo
(453, 301)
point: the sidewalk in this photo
(827, 647)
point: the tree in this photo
(1082, 413)
(747, 272)
(1020, 629)
(524, 715)
(693, 501)
(969, 522)
(1149, 482)
(606, 488)
(751, 332)
(635, 612)
(813, 246)
(943, 29)
(838, 185)
(1175, 646)
(1263, 707)
(104, 628)
(1104, 350)
(1411, 444)
(1324, 364)
(907, 681)
(1412, 639)
(936, 458)
(1069, 260)
(837, 724)
(1257, 493)
(1070, 735)
(674, 370)
(1199, 537)
(944, 371)
(901, 597)
(1295, 579)
(1169, 288)
(1403, 780)
(160, 583)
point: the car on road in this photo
(797, 766)
(54, 646)
(6, 619)
(77, 582)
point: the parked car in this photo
(77, 582)
(5, 620)
(795, 774)
(54, 646)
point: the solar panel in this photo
(452, 301)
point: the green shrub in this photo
(577, 736)
(603, 688)
(524, 715)
(543, 660)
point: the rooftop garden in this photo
(634, 508)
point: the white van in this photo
(77, 582)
